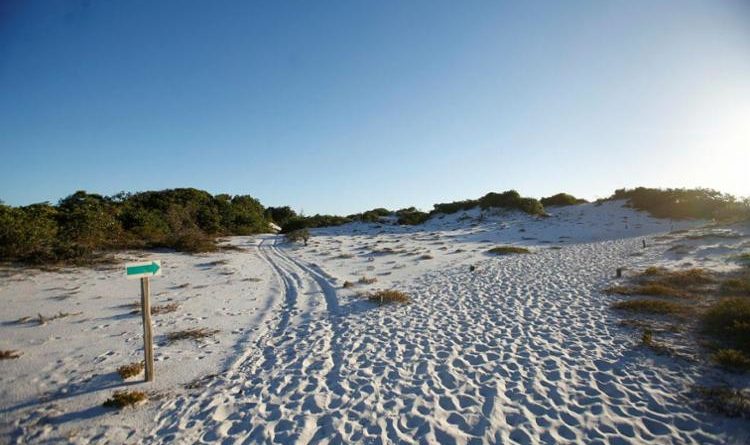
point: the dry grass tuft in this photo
(656, 290)
(732, 359)
(9, 354)
(191, 334)
(725, 400)
(123, 399)
(650, 306)
(347, 284)
(389, 296)
(365, 280)
(156, 309)
(130, 370)
(426, 257)
(508, 250)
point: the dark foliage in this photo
(280, 215)
(508, 200)
(561, 199)
(411, 216)
(84, 224)
(685, 203)
(305, 222)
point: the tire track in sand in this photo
(296, 359)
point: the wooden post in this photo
(148, 344)
(619, 272)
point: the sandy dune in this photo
(522, 349)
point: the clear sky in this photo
(342, 106)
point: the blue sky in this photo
(342, 106)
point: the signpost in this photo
(144, 271)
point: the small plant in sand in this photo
(365, 280)
(508, 250)
(191, 334)
(123, 399)
(426, 257)
(389, 296)
(130, 370)
(295, 236)
(649, 306)
(725, 400)
(156, 309)
(9, 354)
(731, 359)
(347, 284)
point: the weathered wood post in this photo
(144, 271)
(148, 343)
(619, 272)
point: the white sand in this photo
(522, 350)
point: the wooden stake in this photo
(148, 344)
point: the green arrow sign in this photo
(140, 270)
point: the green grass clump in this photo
(130, 370)
(728, 320)
(123, 399)
(389, 296)
(561, 199)
(732, 359)
(649, 306)
(508, 250)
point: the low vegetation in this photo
(561, 199)
(299, 235)
(725, 400)
(130, 370)
(83, 226)
(8, 354)
(365, 280)
(191, 334)
(732, 359)
(649, 306)
(123, 399)
(685, 203)
(411, 216)
(508, 250)
(156, 309)
(510, 200)
(388, 296)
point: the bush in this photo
(411, 216)
(508, 250)
(298, 235)
(511, 200)
(561, 199)
(130, 370)
(456, 206)
(732, 359)
(83, 225)
(389, 296)
(728, 320)
(685, 203)
(123, 399)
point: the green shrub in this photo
(456, 206)
(732, 359)
(302, 235)
(561, 199)
(508, 250)
(728, 320)
(511, 200)
(411, 216)
(685, 203)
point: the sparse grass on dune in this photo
(661, 282)
(389, 296)
(191, 334)
(725, 400)
(656, 290)
(731, 359)
(650, 306)
(365, 280)
(130, 370)
(508, 250)
(123, 399)
(728, 320)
